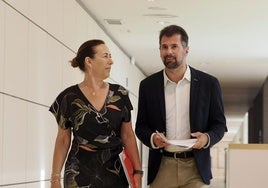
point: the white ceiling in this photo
(228, 39)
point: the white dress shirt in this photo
(177, 100)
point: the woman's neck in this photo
(93, 86)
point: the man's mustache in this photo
(169, 56)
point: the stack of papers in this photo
(187, 144)
(178, 144)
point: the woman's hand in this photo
(55, 180)
(137, 179)
(55, 183)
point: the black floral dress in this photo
(97, 130)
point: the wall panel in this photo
(82, 33)
(38, 12)
(38, 68)
(45, 57)
(92, 28)
(41, 134)
(121, 62)
(69, 25)
(70, 75)
(42, 184)
(53, 70)
(2, 53)
(1, 135)
(21, 6)
(55, 23)
(2, 43)
(16, 54)
(17, 186)
(134, 77)
(14, 140)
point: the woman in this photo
(98, 115)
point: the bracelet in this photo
(55, 178)
(138, 172)
(55, 174)
(55, 181)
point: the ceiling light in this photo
(162, 22)
(161, 15)
(113, 21)
(156, 8)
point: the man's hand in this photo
(160, 140)
(202, 140)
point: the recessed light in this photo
(114, 21)
(161, 15)
(162, 22)
(156, 8)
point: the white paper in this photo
(187, 144)
(183, 144)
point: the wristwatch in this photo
(138, 172)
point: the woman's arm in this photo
(61, 149)
(130, 145)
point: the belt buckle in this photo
(184, 155)
(175, 155)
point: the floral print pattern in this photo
(93, 160)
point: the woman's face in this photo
(102, 62)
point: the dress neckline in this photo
(89, 102)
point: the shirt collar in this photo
(186, 76)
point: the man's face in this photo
(172, 52)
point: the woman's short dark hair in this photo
(172, 30)
(85, 50)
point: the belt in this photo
(176, 155)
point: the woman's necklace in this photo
(91, 90)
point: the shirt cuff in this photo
(206, 146)
(152, 142)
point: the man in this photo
(181, 103)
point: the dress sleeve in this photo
(127, 107)
(60, 109)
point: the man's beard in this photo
(171, 64)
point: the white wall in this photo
(38, 38)
(1, 83)
(247, 166)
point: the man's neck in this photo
(177, 74)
